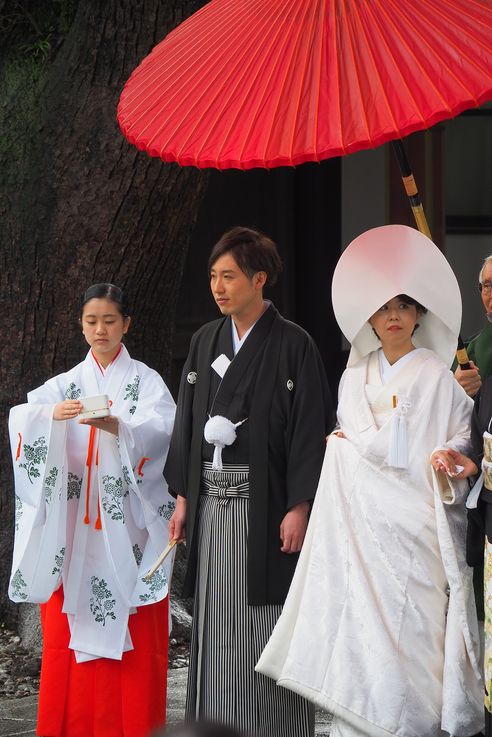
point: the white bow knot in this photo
(220, 431)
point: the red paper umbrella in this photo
(266, 83)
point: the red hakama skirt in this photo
(103, 697)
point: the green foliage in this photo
(39, 49)
(30, 35)
(33, 30)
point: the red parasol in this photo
(266, 83)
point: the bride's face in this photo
(395, 322)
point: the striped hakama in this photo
(228, 634)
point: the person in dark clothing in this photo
(479, 532)
(245, 458)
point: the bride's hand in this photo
(446, 461)
(338, 433)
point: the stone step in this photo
(18, 716)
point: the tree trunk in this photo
(79, 205)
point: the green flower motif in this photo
(167, 509)
(126, 475)
(35, 455)
(101, 603)
(58, 562)
(132, 392)
(113, 501)
(156, 584)
(72, 392)
(18, 584)
(49, 484)
(19, 508)
(137, 553)
(96, 588)
(74, 486)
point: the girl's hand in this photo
(447, 460)
(108, 424)
(67, 410)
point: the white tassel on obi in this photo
(220, 431)
(398, 444)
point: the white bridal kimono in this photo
(93, 514)
(379, 626)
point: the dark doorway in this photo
(301, 210)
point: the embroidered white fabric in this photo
(379, 626)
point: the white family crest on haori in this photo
(92, 509)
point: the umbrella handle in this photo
(419, 215)
(462, 355)
(411, 188)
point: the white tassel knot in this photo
(398, 441)
(220, 431)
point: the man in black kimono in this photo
(244, 494)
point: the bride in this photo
(379, 626)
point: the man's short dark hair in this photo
(252, 251)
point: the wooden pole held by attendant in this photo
(421, 221)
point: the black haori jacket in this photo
(278, 379)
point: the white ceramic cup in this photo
(93, 407)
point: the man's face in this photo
(232, 289)
(487, 293)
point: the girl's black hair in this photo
(106, 291)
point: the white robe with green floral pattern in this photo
(102, 570)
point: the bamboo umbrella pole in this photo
(418, 212)
(411, 188)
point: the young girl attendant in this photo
(92, 509)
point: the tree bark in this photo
(79, 205)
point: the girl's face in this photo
(394, 323)
(103, 327)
